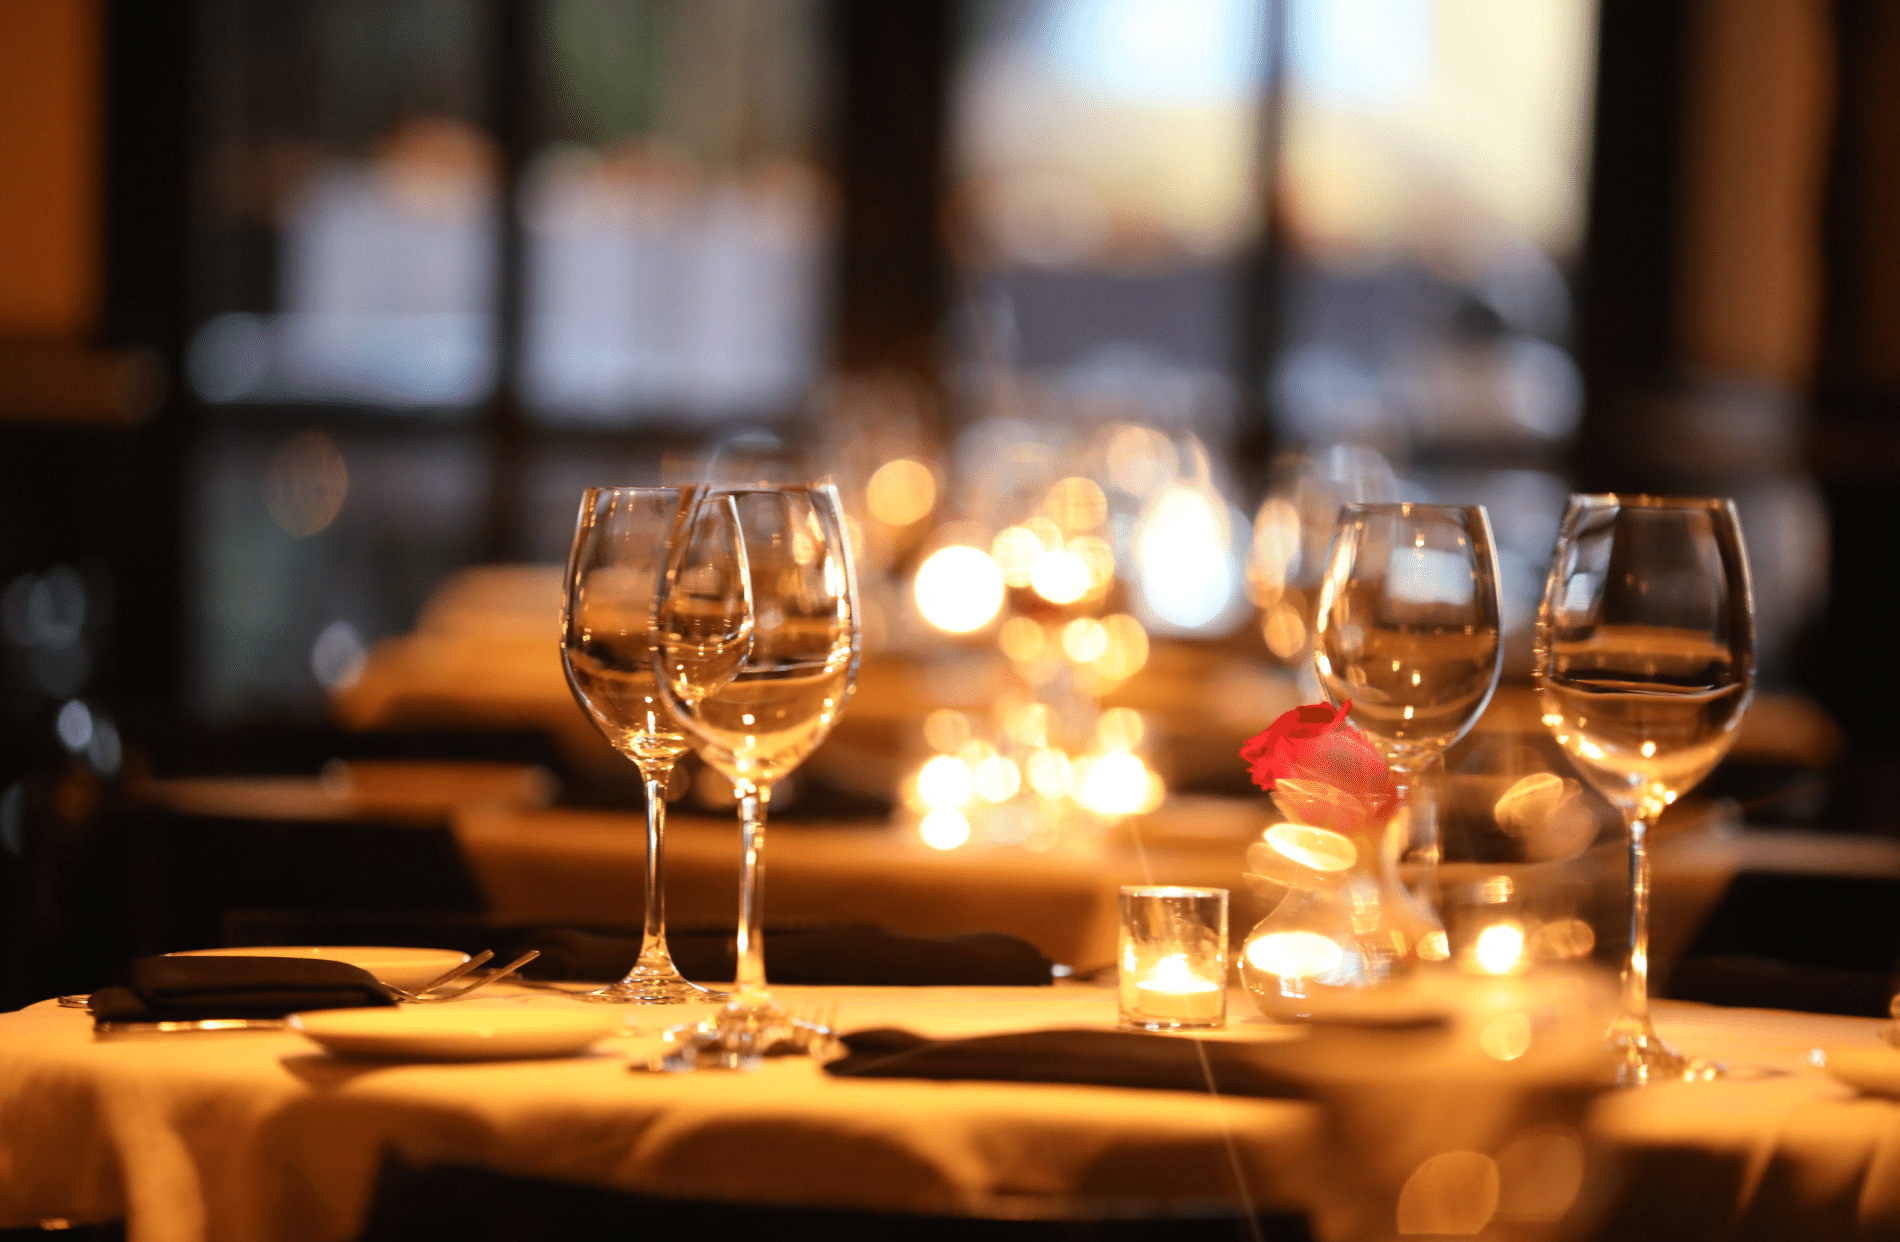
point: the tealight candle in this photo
(1172, 992)
(1174, 958)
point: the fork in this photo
(421, 995)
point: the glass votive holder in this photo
(1173, 958)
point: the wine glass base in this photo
(639, 989)
(741, 1039)
(1642, 1059)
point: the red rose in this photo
(1322, 771)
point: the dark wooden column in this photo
(889, 121)
(1627, 287)
(1854, 439)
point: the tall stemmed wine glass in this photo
(756, 724)
(1645, 664)
(613, 575)
(1407, 629)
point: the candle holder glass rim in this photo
(1170, 890)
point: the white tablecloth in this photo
(253, 1136)
(240, 1137)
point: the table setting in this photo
(1410, 1041)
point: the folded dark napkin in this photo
(839, 956)
(192, 989)
(1090, 1057)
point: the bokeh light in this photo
(1050, 773)
(959, 589)
(1499, 949)
(1076, 504)
(1117, 784)
(946, 730)
(945, 782)
(1084, 640)
(901, 492)
(1127, 649)
(1061, 577)
(1182, 558)
(1021, 639)
(1119, 729)
(1015, 550)
(1506, 1037)
(306, 483)
(998, 779)
(944, 829)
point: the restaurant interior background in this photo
(316, 316)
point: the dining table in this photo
(241, 1136)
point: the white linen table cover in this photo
(248, 1136)
(253, 1136)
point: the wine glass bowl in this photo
(754, 714)
(607, 637)
(1645, 665)
(1407, 625)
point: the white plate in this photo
(400, 968)
(467, 1031)
(1873, 1069)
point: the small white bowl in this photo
(399, 968)
(469, 1031)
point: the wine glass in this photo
(613, 574)
(1645, 664)
(756, 718)
(1407, 629)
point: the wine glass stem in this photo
(1636, 965)
(749, 992)
(654, 957)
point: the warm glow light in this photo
(959, 589)
(1021, 639)
(1434, 947)
(1181, 557)
(1562, 939)
(1140, 459)
(1027, 723)
(946, 729)
(1127, 649)
(1173, 991)
(1452, 1194)
(944, 829)
(998, 779)
(945, 782)
(1059, 577)
(1050, 773)
(901, 492)
(1116, 784)
(1076, 504)
(1120, 728)
(1015, 549)
(1276, 547)
(1506, 1037)
(1500, 948)
(1084, 639)
(1284, 629)
(1295, 954)
(1099, 556)
(1321, 849)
